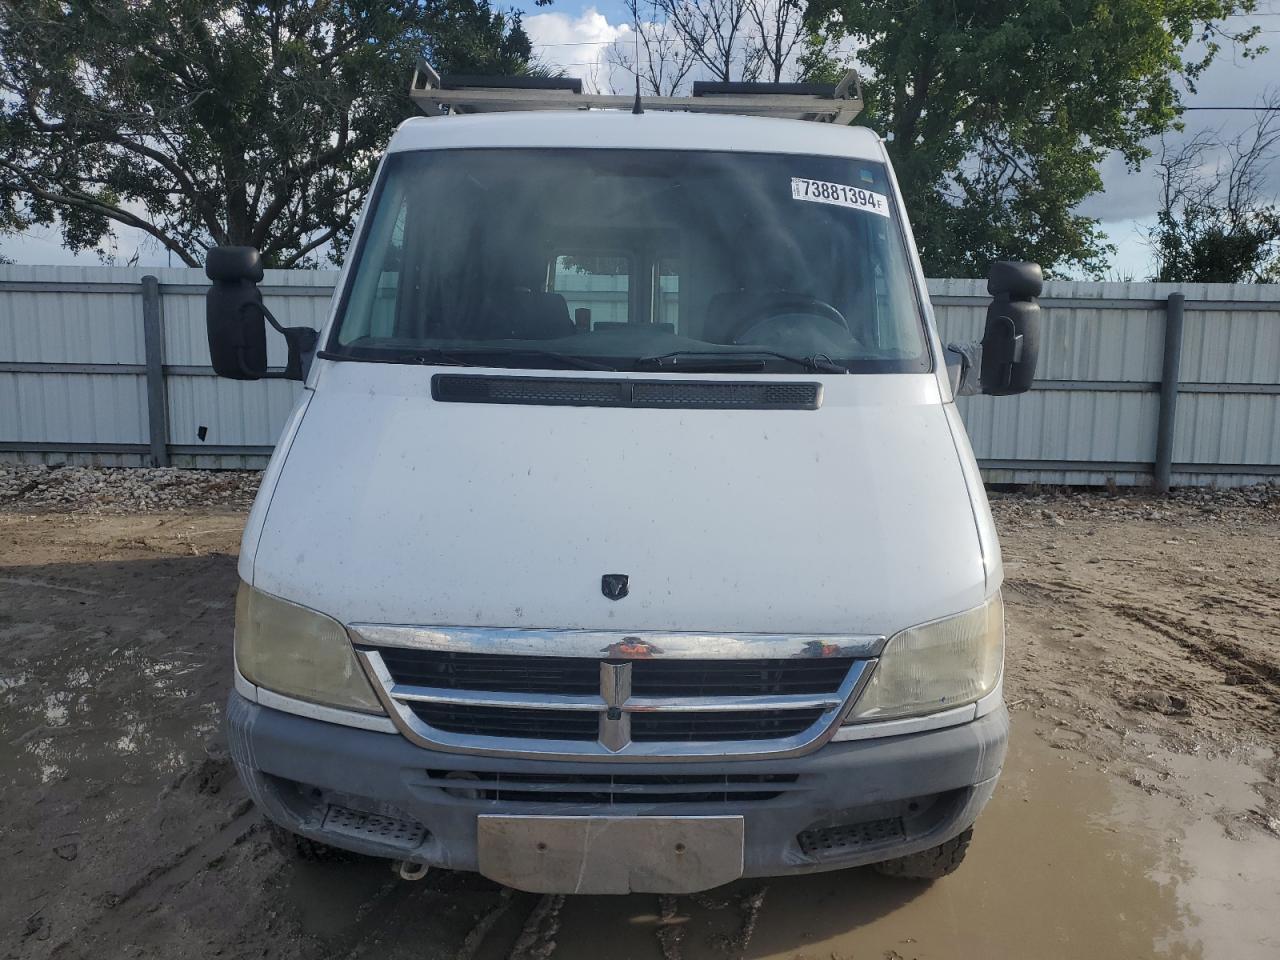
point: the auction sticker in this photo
(839, 194)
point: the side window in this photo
(382, 314)
(371, 311)
(599, 283)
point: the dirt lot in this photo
(1139, 814)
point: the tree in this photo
(1216, 223)
(723, 40)
(661, 57)
(999, 111)
(205, 122)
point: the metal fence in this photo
(109, 365)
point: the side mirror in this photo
(236, 320)
(1011, 341)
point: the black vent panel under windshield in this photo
(625, 392)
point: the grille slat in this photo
(482, 671)
(509, 722)
(689, 727)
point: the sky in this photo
(574, 35)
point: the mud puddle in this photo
(1067, 862)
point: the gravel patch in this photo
(1240, 506)
(36, 488)
(33, 488)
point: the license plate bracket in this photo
(547, 854)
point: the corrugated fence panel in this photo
(1225, 352)
(73, 408)
(233, 413)
(69, 315)
(1060, 425)
(1092, 417)
(1228, 429)
(1232, 333)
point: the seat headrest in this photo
(529, 315)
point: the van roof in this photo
(616, 129)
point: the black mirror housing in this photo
(236, 320)
(234, 316)
(234, 264)
(1011, 342)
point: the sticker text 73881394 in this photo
(839, 194)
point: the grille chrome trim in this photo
(614, 741)
(495, 698)
(616, 645)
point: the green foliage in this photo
(999, 111)
(1197, 246)
(204, 122)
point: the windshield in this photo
(633, 260)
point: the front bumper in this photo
(850, 803)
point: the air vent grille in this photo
(623, 392)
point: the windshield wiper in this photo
(707, 360)
(465, 357)
(564, 359)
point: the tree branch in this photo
(93, 205)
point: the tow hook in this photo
(408, 870)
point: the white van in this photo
(625, 536)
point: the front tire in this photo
(932, 864)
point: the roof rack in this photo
(826, 103)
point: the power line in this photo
(1250, 109)
(576, 43)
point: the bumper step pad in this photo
(407, 834)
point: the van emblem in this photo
(614, 585)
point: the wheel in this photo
(297, 847)
(932, 864)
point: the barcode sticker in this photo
(839, 194)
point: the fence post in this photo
(153, 343)
(1169, 375)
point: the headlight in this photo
(936, 666)
(295, 651)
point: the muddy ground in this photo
(1139, 814)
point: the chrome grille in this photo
(640, 697)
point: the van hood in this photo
(391, 507)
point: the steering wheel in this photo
(789, 305)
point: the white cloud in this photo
(1229, 82)
(578, 45)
